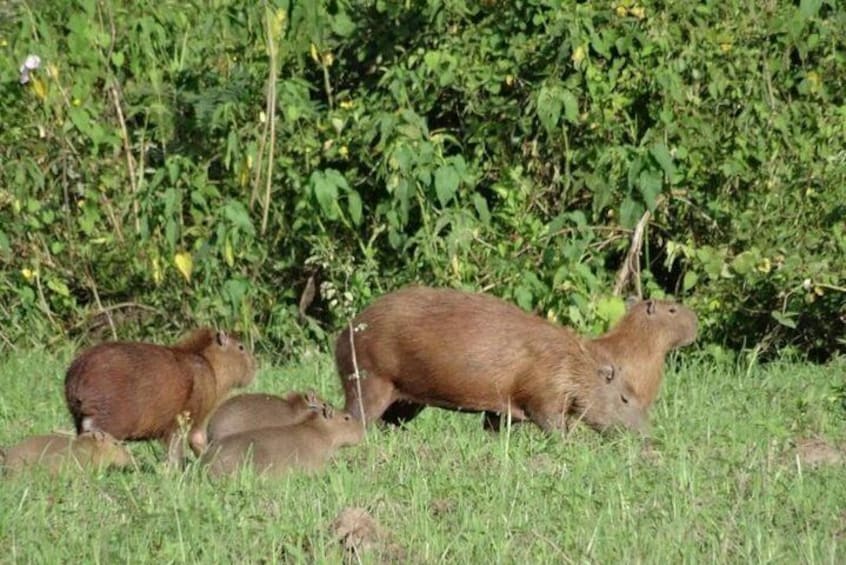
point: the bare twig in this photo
(357, 377)
(93, 286)
(631, 265)
(271, 103)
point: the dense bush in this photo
(174, 162)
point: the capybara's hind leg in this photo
(376, 395)
(401, 411)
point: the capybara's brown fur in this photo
(638, 344)
(307, 445)
(256, 411)
(55, 451)
(136, 391)
(467, 351)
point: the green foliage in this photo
(173, 163)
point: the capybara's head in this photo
(234, 365)
(344, 429)
(309, 400)
(670, 322)
(611, 402)
(101, 450)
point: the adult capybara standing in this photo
(136, 391)
(460, 350)
(640, 341)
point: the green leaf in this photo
(549, 107)
(662, 156)
(482, 208)
(446, 183)
(690, 280)
(354, 206)
(630, 212)
(237, 214)
(326, 193)
(809, 8)
(650, 183)
(744, 263)
(58, 287)
(610, 308)
(571, 106)
(785, 319)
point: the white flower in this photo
(31, 63)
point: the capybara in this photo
(639, 342)
(307, 445)
(467, 351)
(55, 451)
(136, 391)
(257, 410)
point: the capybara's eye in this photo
(624, 399)
(240, 347)
(672, 309)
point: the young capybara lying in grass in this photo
(466, 351)
(640, 341)
(136, 391)
(55, 451)
(307, 445)
(256, 411)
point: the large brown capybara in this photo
(137, 391)
(307, 445)
(57, 451)
(638, 343)
(467, 351)
(257, 410)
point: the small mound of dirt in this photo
(358, 531)
(816, 452)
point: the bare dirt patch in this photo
(817, 452)
(358, 532)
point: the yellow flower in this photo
(579, 54)
(28, 274)
(346, 104)
(344, 151)
(638, 11)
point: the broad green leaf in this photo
(354, 206)
(650, 184)
(662, 156)
(549, 107)
(482, 208)
(630, 212)
(610, 308)
(446, 183)
(326, 193)
(184, 263)
(571, 106)
(785, 319)
(690, 280)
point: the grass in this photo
(720, 482)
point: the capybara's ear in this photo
(311, 398)
(631, 301)
(222, 338)
(650, 307)
(328, 411)
(606, 372)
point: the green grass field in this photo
(722, 481)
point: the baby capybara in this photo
(307, 445)
(136, 391)
(56, 451)
(640, 341)
(466, 351)
(255, 411)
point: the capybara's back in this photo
(258, 410)
(461, 350)
(134, 390)
(54, 451)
